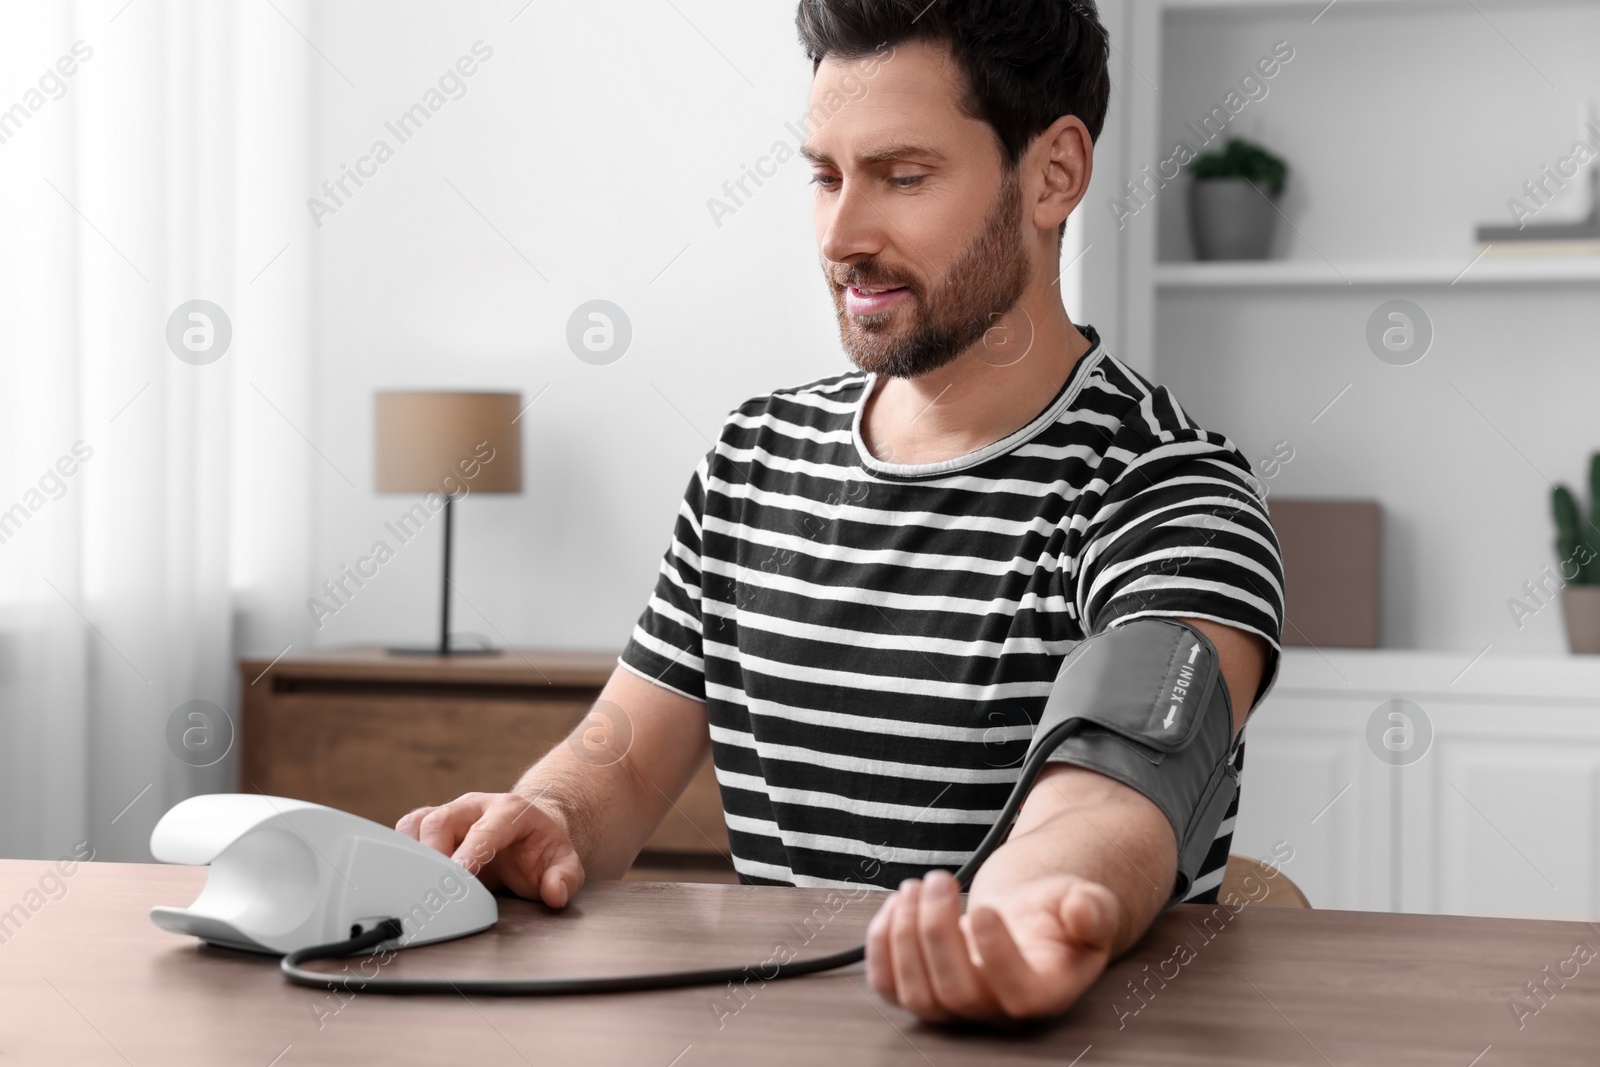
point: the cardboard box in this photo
(1333, 570)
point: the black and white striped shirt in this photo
(873, 641)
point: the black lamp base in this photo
(444, 647)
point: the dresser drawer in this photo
(380, 747)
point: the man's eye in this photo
(908, 181)
(823, 180)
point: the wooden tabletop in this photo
(86, 978)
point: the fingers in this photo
(917, 953)
(913, 989)
(442, 828)
(561, 879)
(506, 818)
(502, 839)
(923, 955)
(880, 973)
(521, 845)
(411, 821)
(1089, 914)
(956, 984)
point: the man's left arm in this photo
(1088, 866)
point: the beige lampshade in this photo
(450, 443)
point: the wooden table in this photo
(88, 979)
(377, 734)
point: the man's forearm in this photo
(611, 782)
(1076, 821)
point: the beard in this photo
(982, 283)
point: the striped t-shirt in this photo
(874, 641)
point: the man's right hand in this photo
(505, 840)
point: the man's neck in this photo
(989, 391)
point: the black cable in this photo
(390, 929)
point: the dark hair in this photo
(1027, 62)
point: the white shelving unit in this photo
(1407, 124)
(1318, 7)
(1502, 814)
(1309, 273)
(1130, 262)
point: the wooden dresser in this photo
(377, 734)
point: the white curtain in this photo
(153, 509)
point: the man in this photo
(874, 578)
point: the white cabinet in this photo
(1501, 817)
(1310, 781)
(1495, 812)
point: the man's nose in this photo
(850, 224)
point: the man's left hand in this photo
(1022, 954)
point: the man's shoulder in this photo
(1147, 435)
(810, 421)
(821, 402)
(1134, 404)
(834, 389)
(1147, 416)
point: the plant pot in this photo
(1230, 219)
(1580, 607)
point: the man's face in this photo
(912, 197)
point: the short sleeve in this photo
(1183, 531)
(665, 646)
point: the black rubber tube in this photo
(294, 969)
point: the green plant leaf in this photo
(1240, 158)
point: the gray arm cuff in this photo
(1145, 703)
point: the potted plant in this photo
(1233, 200)
(1578, 544)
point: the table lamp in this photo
(452, 444)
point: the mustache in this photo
(870, 280)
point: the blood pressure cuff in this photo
(1145, 703)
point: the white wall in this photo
(1405, 126)
(591, 141)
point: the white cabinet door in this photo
(1493, 808)
(1502, 816)
(1311, 780)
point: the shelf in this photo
(1316, 273)
(1558, 679)
(1319, 7)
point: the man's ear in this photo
(1063, 158)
